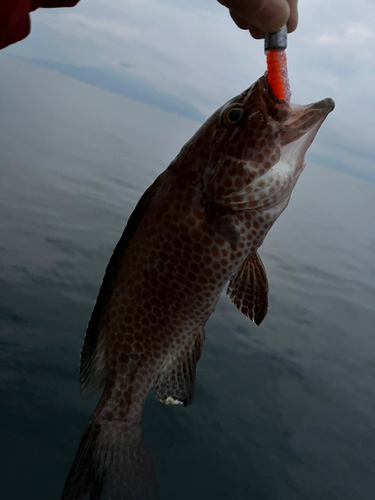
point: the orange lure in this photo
(277, 74)
(277, 71)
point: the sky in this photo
(188, 57)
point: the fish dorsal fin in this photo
(92, 364)
(175, 382)
(248, 290)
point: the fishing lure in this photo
(277, 71)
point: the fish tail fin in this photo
(110, 466)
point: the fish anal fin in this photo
(248, 290)
(175, 383)
(92, 364)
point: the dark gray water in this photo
(284, 411)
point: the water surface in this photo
(282, 412)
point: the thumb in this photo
(266, 15)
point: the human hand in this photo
(15, 17)
(263, 16)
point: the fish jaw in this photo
(306, 120)
(256, 163)
(299, 130)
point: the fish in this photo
(197, 228)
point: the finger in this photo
(239, 20)
(256, 33)
(266, 15)
(243, 24)
(53, 3)
(293, 18)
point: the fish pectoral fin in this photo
(248, 290)
(175, 382)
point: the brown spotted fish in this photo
(198, 227)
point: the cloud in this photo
(123, 83)
(355, 35)
(193, 52)
(187, 52)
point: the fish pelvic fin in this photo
(248, 290)
(110, 466)
(175, 383)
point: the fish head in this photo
(257, 146)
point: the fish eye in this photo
(233, 114)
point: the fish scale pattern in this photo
(196, 228)
(170, 283)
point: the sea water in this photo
(284, 411)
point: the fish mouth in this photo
(297, 133)
(326, 104)
(293, 116)
(306, 120)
